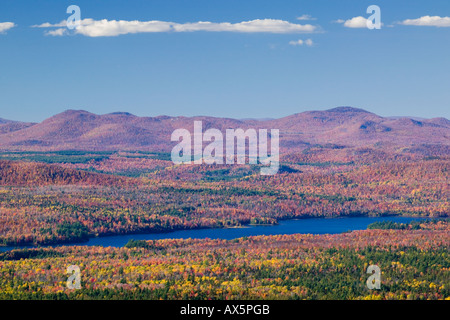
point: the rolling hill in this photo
(20, 173)
(340, 127)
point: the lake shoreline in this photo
(221, 232)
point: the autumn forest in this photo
(61, 196)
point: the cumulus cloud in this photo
(50, 25)
(4, 26)
(300, 42)
(258, 25)
(56, 32)
(309, 42)
(428, 21)
(356, 22)
(296, 42)
(109, 28)
(306, 17)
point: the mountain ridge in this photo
(81, 129)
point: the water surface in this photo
(310, 225)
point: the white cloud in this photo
(296, 42)
(428, 21)
(356, 22)
(258, 25)
(50, 25)
(108, 28)
(306, 17)
(300, 42)
(4, 26)
(56, 32)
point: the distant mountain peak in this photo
(344, 125)
(121, 113)
(74, 111)
(347, 109)
(70, 114)
(2, 121)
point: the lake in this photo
(310, 225)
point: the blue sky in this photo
(402, 69)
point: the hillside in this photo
(7, 126)
(414, 265)
(19, 173)
(342, 126)
(340, 162)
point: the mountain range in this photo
(339, 127)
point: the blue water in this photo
(311, 225)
